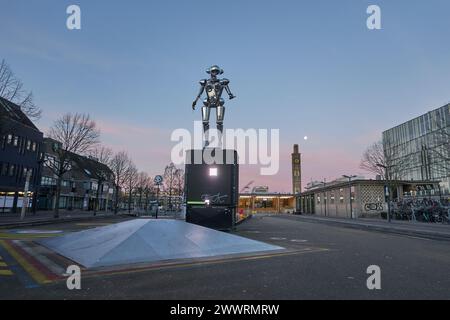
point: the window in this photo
(16, 141)
(65, 183)
(28, 145)
(12, 170)
(9, 139)
(33, 147)
(47, 181)
(4, 169)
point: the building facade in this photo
(254, 203)
(359, 198)
(87, 185)
(422, 147)
(20, 156)
(296, 171)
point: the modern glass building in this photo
(422, 147)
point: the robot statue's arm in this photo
(225, 83)
(202, 88)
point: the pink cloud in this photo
(148, 147)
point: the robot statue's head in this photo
(214, 70)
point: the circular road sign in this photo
(158, 179)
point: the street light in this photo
(324, 182)
(158, 181)
(350, 191)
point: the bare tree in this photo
(131, 182)
(12, 89)
(102, 155)
(74, 134)
(170, 182)
(149, 190)
(373, 160)
(141, 187)
(385, 159)
(119, 165)
(78, 133)
(179, 181)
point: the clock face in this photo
(297, 160)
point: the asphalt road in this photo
(333, 268)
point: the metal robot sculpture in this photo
(214, 88)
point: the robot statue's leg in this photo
(206, 111)
(220, 113)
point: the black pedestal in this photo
(212, 188)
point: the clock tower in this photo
(296, 170)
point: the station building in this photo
(359, 198)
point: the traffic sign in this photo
(158, 179)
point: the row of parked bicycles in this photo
(422, 210)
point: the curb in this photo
(243, 220)
(433, 235)
(54, 221)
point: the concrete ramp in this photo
(143, 240)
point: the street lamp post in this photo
(325, 195)
(25, 200)
(158, 181)
(350, 193)
(157, 201)
(37, 182)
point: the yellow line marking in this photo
(3, 264)
(6, 273)
(32, 271)
(25, 236)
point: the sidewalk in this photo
(427, 230)
(46, 217)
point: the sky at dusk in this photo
(309, 68)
